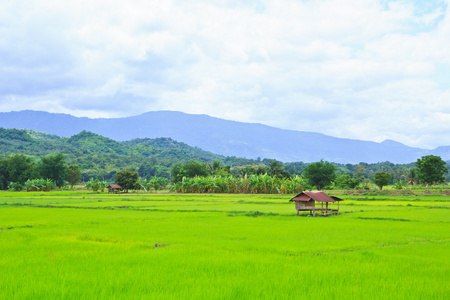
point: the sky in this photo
(367, 69)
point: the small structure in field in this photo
(306, 201)
(114, 188)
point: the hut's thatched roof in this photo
(317, 196)
(114, 186)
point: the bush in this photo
(96, 184)
(15, 186)
(44, 185)
(399, 185)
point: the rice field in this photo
(81, 245)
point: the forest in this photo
(30, 155)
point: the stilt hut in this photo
(114, 188)
(306, 201)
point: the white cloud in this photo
(369, 70)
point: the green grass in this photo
(79, 245)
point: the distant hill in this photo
(38, 144)
(223, 137)
(101, 157)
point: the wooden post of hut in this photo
(338, 200)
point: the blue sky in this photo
(369, 70)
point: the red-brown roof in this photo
(317, 196)
(337, 198)
(114, 186)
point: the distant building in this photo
(306, 201)
(114, 188)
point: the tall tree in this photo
(73, 174)
(16, 168)
(412, 176)
(3, 175)
(320, 174)
(189, 169)
(381, 179)
(54, 167)
(127, 179)
(276, 169)
(214, 167)
(431, 169)
(360, 170)
(344, 181)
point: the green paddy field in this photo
(82, 245)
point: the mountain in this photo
(223, 137)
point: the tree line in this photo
(19, 171)
(196, 177)
(100, 158)
(96, 160)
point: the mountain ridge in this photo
(223, 137)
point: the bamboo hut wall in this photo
(305, 205)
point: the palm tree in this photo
(412, 176)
